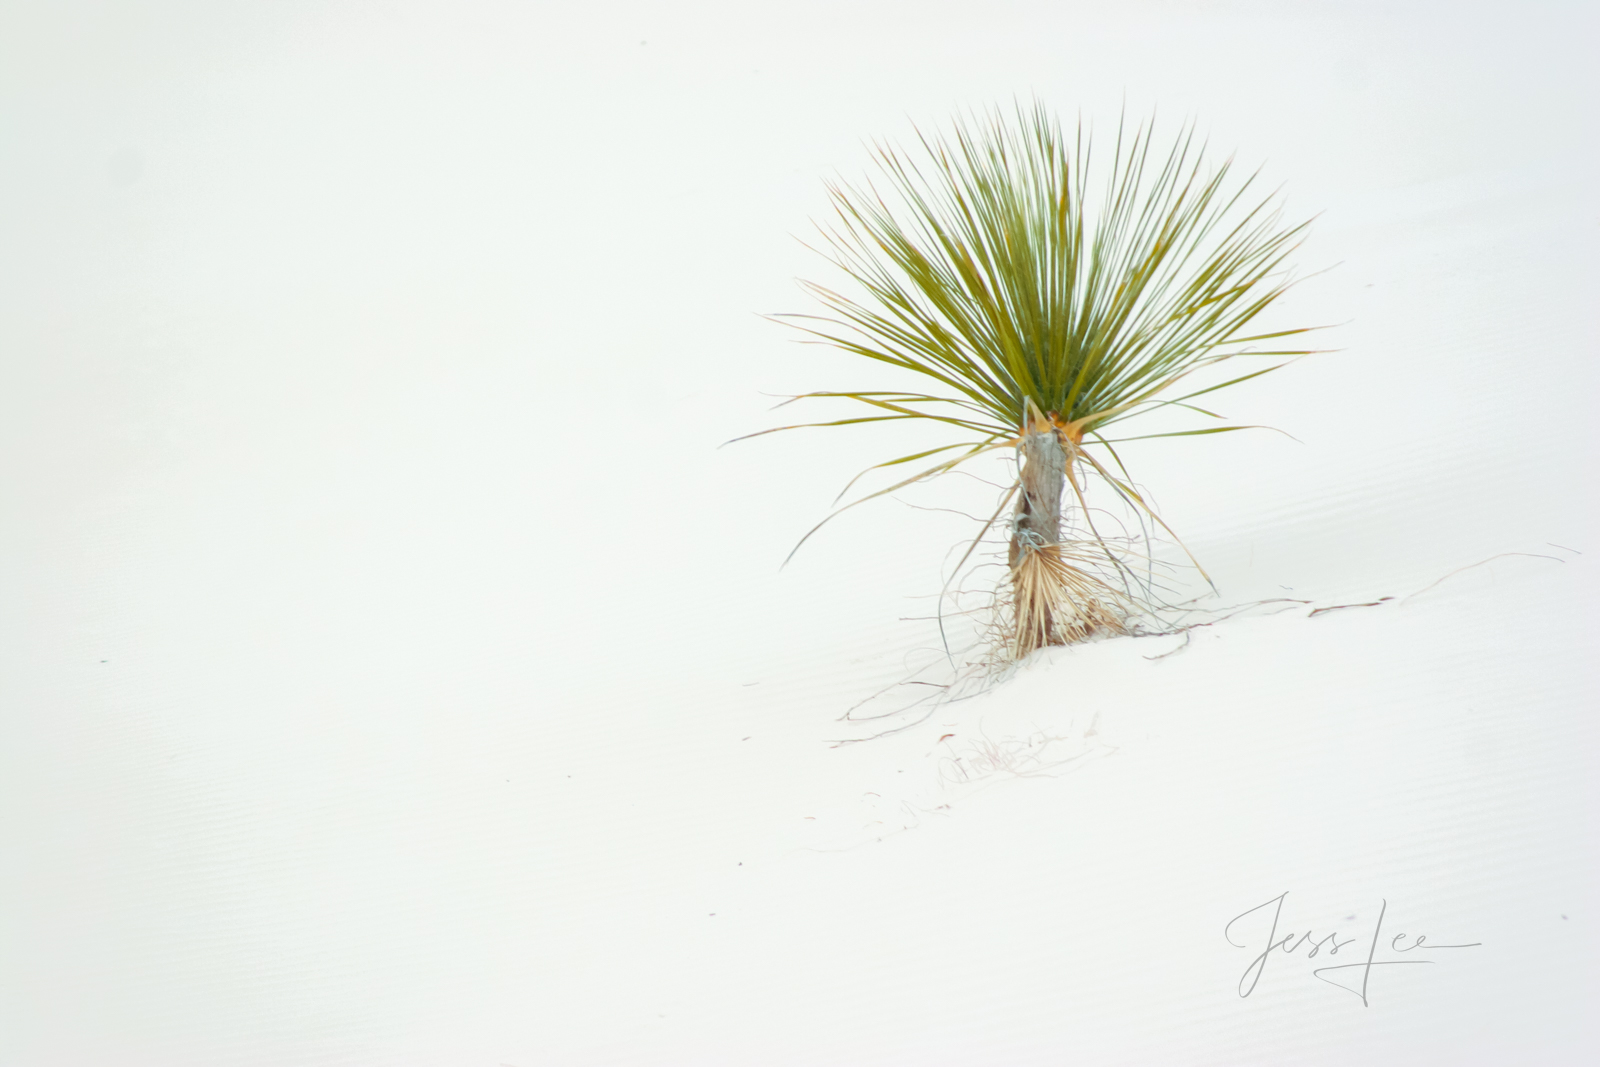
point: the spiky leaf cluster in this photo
(1027, 273)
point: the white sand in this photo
(345, 722)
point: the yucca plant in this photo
(1052, 289)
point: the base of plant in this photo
(1056, 600)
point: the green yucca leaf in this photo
(940, 468)
(1187, 433)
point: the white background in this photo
(394, 671)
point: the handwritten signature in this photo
(1290, 943)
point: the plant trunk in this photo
(1035, 554)
(1053, 601)
(1036, 524)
